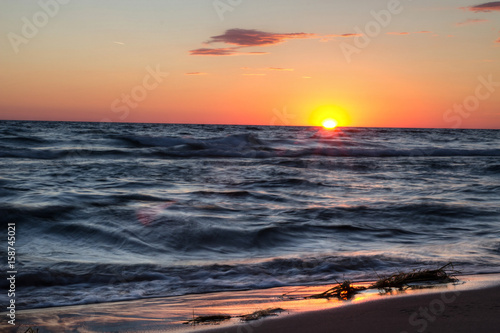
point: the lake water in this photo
(109, 212)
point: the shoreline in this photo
(451, 311)
(474, 296)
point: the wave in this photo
(494, 169)
(413, 153)
(391, 211)
(166, 226)
(67, 273)
(232, 144)
(64, 154)
(23, 140)
(246, 145)
(69, 283)
(23, 213)
(231, 141)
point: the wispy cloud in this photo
(222, 51)
(327, 38)
(484, 7)
(402, 33)
(251, 37)
(470, 21)
(236, 39)
(196, 73)
(280, 69)
(346, 35)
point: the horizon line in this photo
(215, 124)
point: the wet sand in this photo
(472, 305)
(466, 311)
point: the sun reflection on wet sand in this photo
(171, 313)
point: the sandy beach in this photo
(471, 305)
(465, 311)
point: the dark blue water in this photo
(123, 211)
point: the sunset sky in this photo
(380, 63)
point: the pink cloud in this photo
(409, 33)
(196, 73)
(327, 38)
(223, 51)
(348, 35)
(247, 38)
(280, 69)
(251, 37)
(485, 7)
(470, 21)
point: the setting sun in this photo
(329, 123)
(329, 116)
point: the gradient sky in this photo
(278, 62)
